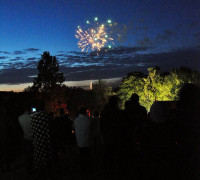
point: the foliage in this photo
(156, 86)
(134, 83)
(55, 99)
(102, 92)
(49, 75)
(76, 97)
(68, 98)
(28, 89)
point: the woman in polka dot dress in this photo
(42, 152)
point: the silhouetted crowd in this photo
(124, 144)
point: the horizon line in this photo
(80, 84)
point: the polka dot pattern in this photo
(41, 140)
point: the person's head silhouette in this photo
(113, 101)
(189, 95)
(82, 110)
(134, 98)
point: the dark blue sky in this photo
(29, 27)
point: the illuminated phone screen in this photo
(33, 109)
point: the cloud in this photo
(19, 52)
(60, 55)
(121, 50)
(16, 76)
(31, 50)
(113, 63)
(32, 59)
(3, 57)
(61, 51)
(5, 52)
(16, 59)
(77, 53)
(116, 66)
(31, 64)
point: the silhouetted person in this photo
(140, 112)
(111, 126)
(6, 150)
(135, 116)
(130, 120)
(41, 140)
(170, 146)
(111, 117)
(61, 132)
(83, 126)
(11, 134)
(25, 122)
(96, 138)
(184, 133)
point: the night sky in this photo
(165, 33)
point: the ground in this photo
(68, 168)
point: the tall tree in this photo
(49, 75)
(133, 83)
(156, 86)
(102, 92)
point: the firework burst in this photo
(93, 38)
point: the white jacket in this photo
(25, 122)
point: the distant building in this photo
(90, 85)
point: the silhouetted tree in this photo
(28, 89)
(102, 92)
(49, 75)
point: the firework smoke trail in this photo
(94, 38)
